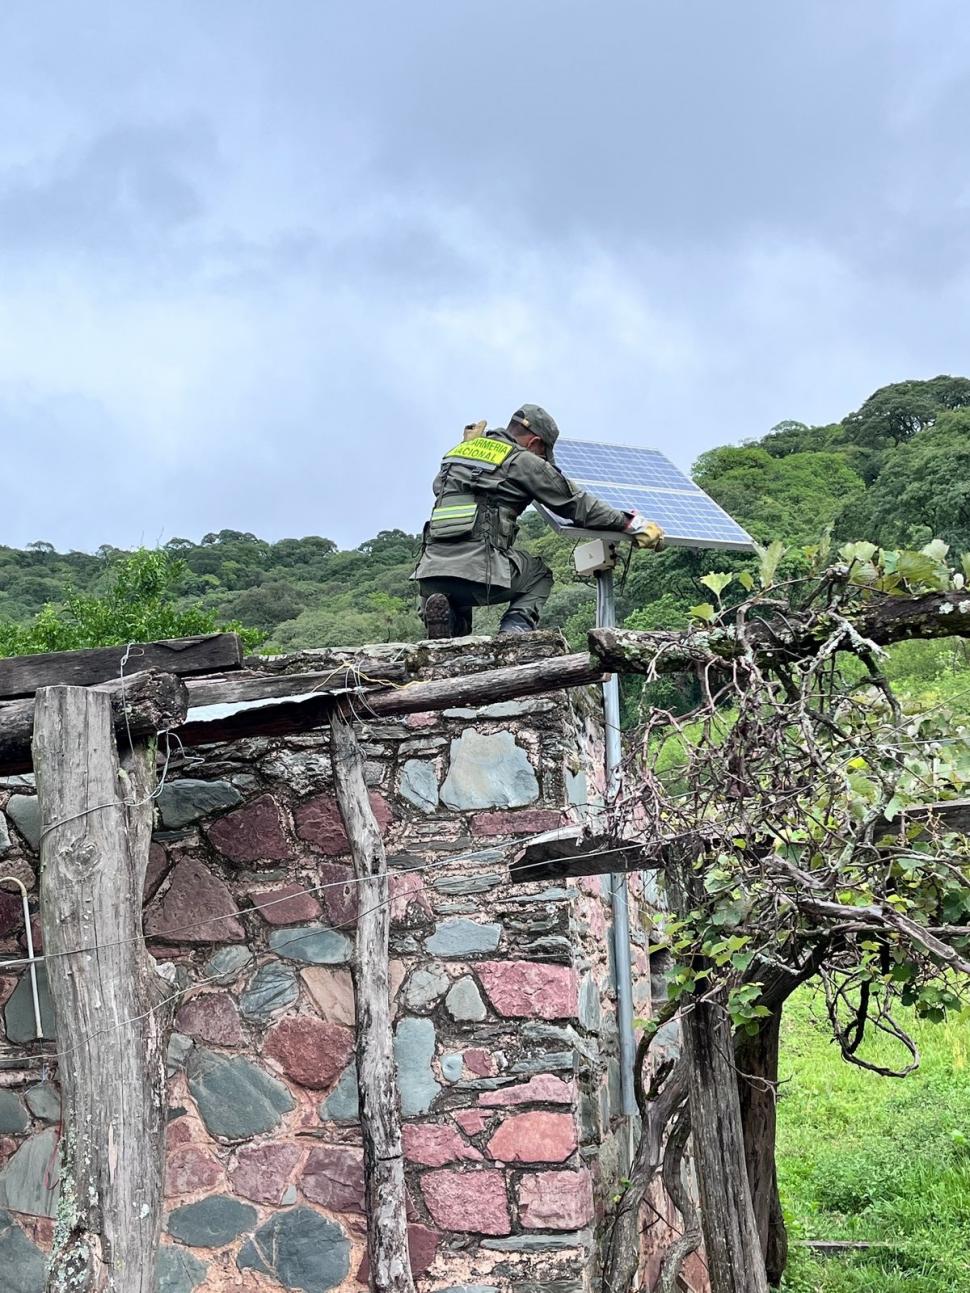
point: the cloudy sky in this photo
(260, 262)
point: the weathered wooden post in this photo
(96, 819)
(731, 1241)
(380, 1119)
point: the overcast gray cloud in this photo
(259, 263)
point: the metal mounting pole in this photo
(606, 618)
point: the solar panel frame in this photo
(689, 517)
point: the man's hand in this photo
(645, 534)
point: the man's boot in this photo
(437, 615)
(516, 622)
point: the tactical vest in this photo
(467, 507)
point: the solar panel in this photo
(643, 480)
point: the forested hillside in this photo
(896, 471)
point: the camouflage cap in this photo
(540, 423)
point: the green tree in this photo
(138, 605)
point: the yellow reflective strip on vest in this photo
(481, 449)
(458, 509)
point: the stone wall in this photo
(505, 1031)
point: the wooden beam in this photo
(251, 684)
(380, 1112)
(147, 703)
(882, 621)
(415, 697)
(113, 1083)
(22, 675)
(574, 850)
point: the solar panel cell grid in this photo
(643, 480)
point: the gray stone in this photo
(300, 771)
(462, 937)
(235, 1098)
(22, 1265)
(547, 895)
(13, 1115)
(488, 771)
(24, 812)
(459, 884)
(452, 1065)
(300, 1249)
(22, 1187)
(343, 1102)
(464, 1001)
(18, 1013)
(44, 1102)
(179, 1049)
(226, 963)
(273, 988)
(183, 802)
(424, 987)
(289, 1197)
(590, 1010)
(212, 1222)
(613, 1086)
(460, 907)
(546, 1062)
(539, 1243)
(418, 784)
(470, 1288)
(576, 789)
(588, 1047)
(19, 781)
(414, 1043)
(178, 1271)
(246, 782)
(311, 944)
(4, 835)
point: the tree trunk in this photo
(380, 1119)
(731, 1237)
(757, 1063)
(94, 851)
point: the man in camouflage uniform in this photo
(469, 556)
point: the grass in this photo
(881, 1159)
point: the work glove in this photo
(644, 533)
(474, 429)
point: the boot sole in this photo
(437, 616)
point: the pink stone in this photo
(534, 1138)
(468, 1201)
(334, 1177)
(213, 1017)
(427, 718)
(481, 1063)
(318, 821)
(7, 1146)
(309, 1050)
(433, 1145)
(531, 821)
(155, 871)
(196, 907)
(262, 1172)
(422, 1249)
(544, 1088)
(253, 833)
(530, 989)
(190, 1169)
(338, 893)
(471, 1121)
(332, 992)
(556, 1200)
(11, 912)
(288, 905)
(407, 890)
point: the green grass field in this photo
(873, 1158)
